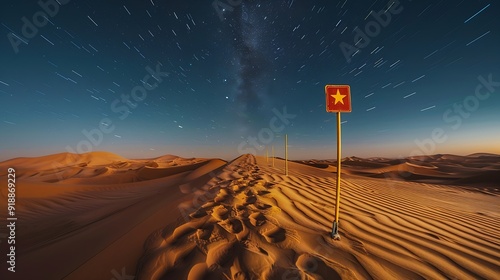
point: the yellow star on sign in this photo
(338, 97)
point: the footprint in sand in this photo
(222, 196)
(269, 185)
(316, 268)
(198, 213)
(257, 219)
(220, 212)
(236, 227)
(240, 275)
(252, 182)
(221, 255)
(275, 234)
(263, 192)
(232, 225)
(241, 211)
(278, 272)
(202, 272)
(238, 187)
(263, 206)
(250, 199)
(209, 204)
(205, 232)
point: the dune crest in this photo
(97, 168)
(480, 170)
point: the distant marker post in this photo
(273, 154)
(286, 154)
(338, 99)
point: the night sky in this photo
(221, 78)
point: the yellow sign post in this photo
(335, 230)
(338, 99)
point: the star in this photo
(338, 97)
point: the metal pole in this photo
(273, 155)
(335, 230)
(286, 154)
(267, 154)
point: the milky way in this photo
(205, 78)
(252, 63)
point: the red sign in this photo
(338, 98)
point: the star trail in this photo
(204, 78)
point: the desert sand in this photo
(101, 216)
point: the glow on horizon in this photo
(296, 152)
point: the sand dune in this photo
(97, 168)
(258, 224)
(99, 215)
(477, 170)
(73, 214)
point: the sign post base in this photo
(335, 231)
